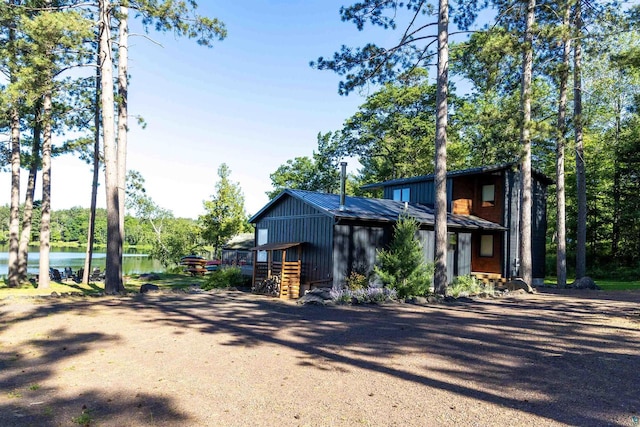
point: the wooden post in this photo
(269, 263)
(255, 268)
(282, 273)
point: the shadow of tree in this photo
(26, 366)
(567, 359)
(549, 358)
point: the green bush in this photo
(402, 267)
(223, 278)
(464, 286)
(357, 281)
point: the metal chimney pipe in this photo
(343, 179)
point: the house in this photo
(237, 252)
(340, 234)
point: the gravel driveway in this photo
(236, 359)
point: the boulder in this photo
(584, 283)
(316, 296)
(515, 284)
(147, 287)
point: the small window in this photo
(402, 194)
(486, 245)
(263, 237)
(488, 195)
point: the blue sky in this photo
(252, 102)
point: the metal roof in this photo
(379, 210)
(452, 174)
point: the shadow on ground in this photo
(572, 358)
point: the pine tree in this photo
(403, 267)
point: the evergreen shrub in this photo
(403, 267)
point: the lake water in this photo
(132, 262)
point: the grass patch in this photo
(14, 395)
(34, 387)
(164, 281)
(132, 283)
(85, 419)
(605, 285)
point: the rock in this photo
(516, 284)
(147, 287)
(316, 296)
(419, 300)
(54, 294)
(584, 283)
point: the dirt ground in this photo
(235, 359)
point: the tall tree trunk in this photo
(94, 182)
(561, 142)
(441, 241)
(581, 184)
(525, 141)
(113, 273)
(13, 277)
(123, 110)
(27, 215)
(45, 220)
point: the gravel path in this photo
(236, 359)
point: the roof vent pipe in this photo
(343, 179)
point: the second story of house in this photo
(486, 192)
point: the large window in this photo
(486, 245)
(402, 194)
(488, 195)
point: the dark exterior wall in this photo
(539, 229)
(538, 225)
(290, 220)
(354, 248)
(421, 192)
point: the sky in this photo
(252, 102)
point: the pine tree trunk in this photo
(525, 141)
(581, 238)
(123, 110)
(113, 270)
(13, 277)
(441, 241)
(45, 220)
(94, 183)
(561, 250)
(27, 215)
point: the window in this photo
(486, 245)
(488, 195)
(263, 237)
(402, 194)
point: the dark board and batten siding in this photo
(354, 249)
(538, 225)
(291, 220)
(539, 229)
(422, 192)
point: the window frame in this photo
(482, 252)
(485, 190)
(402, 194)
